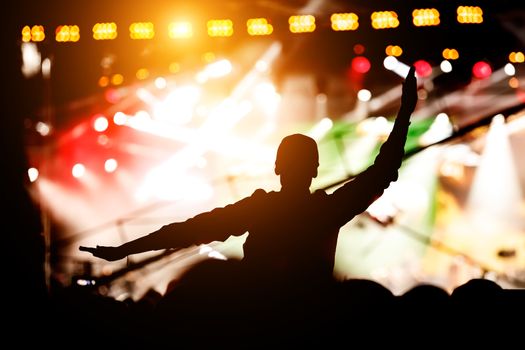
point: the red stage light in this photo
(481, 70)
(361, 64)
(423, 68)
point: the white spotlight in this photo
(31, 59)
(364, 95)
(100, 124)
(390, 62)
(509, 69)
(160, 83)
(42, 128)
(78, 170)
(495, 195)
(33, 174)
(446, 66)
(119, 118)
(110, 165)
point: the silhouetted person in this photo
(293, 233)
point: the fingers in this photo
(86, 249)
(411, 72)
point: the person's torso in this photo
(292, 237)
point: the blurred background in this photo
(138, 114)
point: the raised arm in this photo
(357, 195)
(215, 225)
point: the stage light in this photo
(364, 95)
(516, 57)
(514, 82)
(481, 70)
(142, 74)
(469, 14)
(105, 31)
(160, 83)
(26, 34)
(35, 34)
(119, 118)
(31, 59)
(301, 24)
(180, 30)
(172, 180)
(344, 21)
(320, 129)
(43, 128)
(509, 69)
(494, 200)
(101, 123)
(425, 17)
(384, 19)
(393, 50)
(445, 66)
(440, 129)
(32, 173)
(216, 69)
(146, 96)
(67, 33)
(178, 105)
(46, 68)
(259, 26)
(110, 165)
(390, 62)
(370, 132)
(423, 68)
(361, 64)
(378, 127)
(141, 30)
(103, 81)
(262, 66)
(117, 79)
(220, 27)
(450, 54)
(78, 170)
(359, 49)
(266, 97)
(142, 115)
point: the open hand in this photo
(106, 253)
(409, 97)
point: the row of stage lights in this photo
(101, 123)
(359, 64)
(254, 26)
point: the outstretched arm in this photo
(371, 183)
(216, 225)
(174, 235)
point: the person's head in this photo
(297, 161)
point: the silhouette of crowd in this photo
(202, 310)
